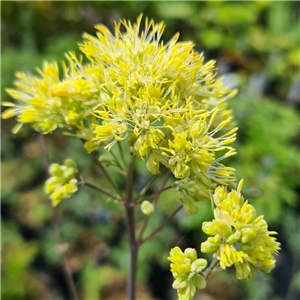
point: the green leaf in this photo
(252, 193)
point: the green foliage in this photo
(17, 255)
(95, 278)
(268, 156)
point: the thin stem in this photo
(158, 192)
(66, 268)
(130, 217)
(129, 180)
(170, 217)
(109, 179)
(122, 155)
(100, 190)
(56, 221)
(116, 160)
(209, 270)
(154, 203)
(148, 186)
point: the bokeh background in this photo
(256, 45)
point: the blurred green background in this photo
(256, 45)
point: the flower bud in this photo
(220, 194)
(179, 283)
(198, 265)
(211, 245)
(190, 253)
(244, 270)
(200, 282)
(153, 164)
(92, 145)
(234, 237)
(248, 234)
(55, 170)
(147, 207)
(70, 163)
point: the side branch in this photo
(148, 186)
(209, 269)
(107, 176)
(170, 217)
(158, 192)
(100, 190)
(122, 155)
(154, 203)
(56, 221)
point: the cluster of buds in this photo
(189, 193)
(186, 268)
(63, 183)
(238, 238)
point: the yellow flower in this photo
(39, 104)
(186, 268)
(239, 238)
(161, 97)
(63, 183)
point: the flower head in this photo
(238, 237)
(162, 98)
(186, 267)
(63, 183)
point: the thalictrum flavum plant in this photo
(167, 105)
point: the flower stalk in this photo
(130, 218)
(56, 223)
(160, 227)
(154, 203)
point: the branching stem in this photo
(209, 269)
(154, 203)
(100, 190)
(148, 186)
(116, 160)
(158, 192)
(107, 176)
(170, 217)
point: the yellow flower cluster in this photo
(37, 104)
(63, 183)
(161, 97)
(185, 267)
(238, 238)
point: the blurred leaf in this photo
(252, 193)
(179, 9)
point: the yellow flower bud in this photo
(147, 207)
(220, 194)
(185, 268)
(62, 184)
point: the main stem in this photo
(133, 247)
